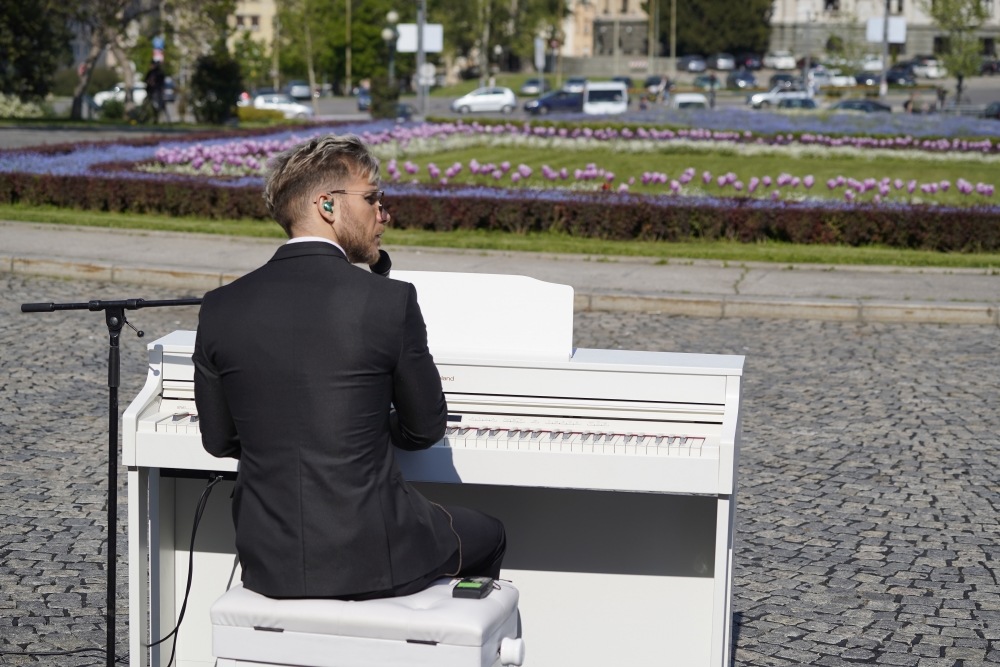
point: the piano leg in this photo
(138, 555)
(723, 620)
(150, 565)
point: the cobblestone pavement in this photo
(867, 511)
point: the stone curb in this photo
(694, 306)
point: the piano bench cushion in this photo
(427, 628)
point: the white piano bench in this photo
(427, 629)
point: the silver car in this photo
(283, 103)
(489, 98)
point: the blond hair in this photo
(295, 175)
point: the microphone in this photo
(383, 265)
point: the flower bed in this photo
(220, 177)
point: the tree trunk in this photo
(128, 75)
(85, 72)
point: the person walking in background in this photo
(155, 82)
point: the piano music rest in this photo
(427, 629)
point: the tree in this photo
(255, 60)
(477, 28)
(118, 25)
(710, 26)
(959, 20)
(215, 87)
(109, 24)
(34, 42)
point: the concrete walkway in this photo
(196, 263)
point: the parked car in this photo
(741, 79)
(928, 67)
(992, 111)
(488, 98)
(901, 75)
(692, 63)
(774, 96)
(989, 66)
(832, 78)
(535, 87)
(299, 90)
(721, 61)
(555, 102)
(688, 101)
(779, 60)
(627, 80)
(784, 80)
(575, 84)
(750, 61)
(871, 63)
(797, 103)
(707, 82)
(867, 78)
(118, 94)
(864, 105)
(284, 103)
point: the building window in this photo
(831, 5)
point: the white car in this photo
(688, 101)
(779, 60)
(490, 98)
(776, 94)
(118, 94)
(286, 104)
(871, 63)
(929, 68)
(832, 78)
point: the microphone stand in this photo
(114, 316)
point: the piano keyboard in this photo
(575, 442)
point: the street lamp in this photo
(389, 35)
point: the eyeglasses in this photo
(371, 196)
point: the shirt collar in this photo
(303, 239)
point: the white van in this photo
(605, 97)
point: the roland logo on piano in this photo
(447, 378)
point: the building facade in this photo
(808, 26)
(258, 17)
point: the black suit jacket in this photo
(296, 365)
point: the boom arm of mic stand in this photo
(114, 315)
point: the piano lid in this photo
(494, 316)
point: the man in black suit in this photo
(309, 370)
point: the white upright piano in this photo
(614, 472)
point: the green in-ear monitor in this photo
(328, 207)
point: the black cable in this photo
(199, 512)
(69, 651)
(202, 503)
